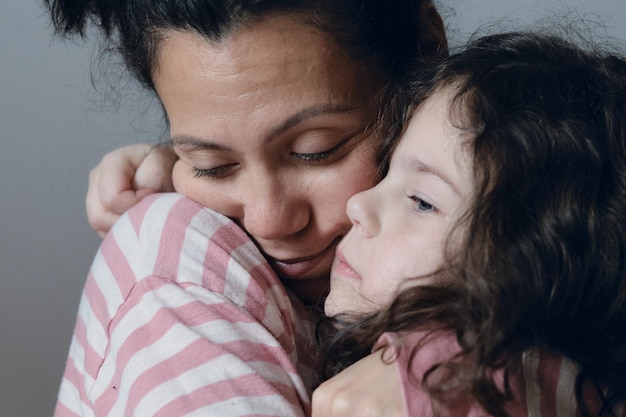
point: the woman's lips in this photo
(342, 268)
(299, 267)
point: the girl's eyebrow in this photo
(293, 120)
(414, 164)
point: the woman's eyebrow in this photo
(416, 165)
(307, 113)
(293, 120)
(197, 143)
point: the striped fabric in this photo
(182, 316)
(545, 388)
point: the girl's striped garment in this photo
(543, 388)
(182, 316)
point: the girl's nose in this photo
(362, 209)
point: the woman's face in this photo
(269, 127)
(400, 226)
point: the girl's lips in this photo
(299, 267)
(342, 268)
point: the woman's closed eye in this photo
(214, 173)
(225, 170)
(322, 156)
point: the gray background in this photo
(54, 127)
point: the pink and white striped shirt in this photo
(182, 315)
(545, 387)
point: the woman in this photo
(322, 66)
(268, 104)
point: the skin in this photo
(270, 128)
(401, 225)
(370, 387)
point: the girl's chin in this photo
(343, 298)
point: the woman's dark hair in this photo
(542, 264)
(387, 30)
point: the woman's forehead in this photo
(277, 40)
(264, 72)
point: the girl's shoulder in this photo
(545, 387)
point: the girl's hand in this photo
(123, 178)
(369, 387)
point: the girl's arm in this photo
(180, 315)
(382, 383)
(369, 387)
(388, 383)
(123, 178)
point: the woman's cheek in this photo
(181, 178)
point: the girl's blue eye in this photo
(422, 205)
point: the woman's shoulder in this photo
(169, 244)
(170, 212)
(174, 237)
(173, 277)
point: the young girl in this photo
(501, 224)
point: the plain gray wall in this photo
(54, 127)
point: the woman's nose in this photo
(362, 210)
(275, 211)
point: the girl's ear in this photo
(432, 31)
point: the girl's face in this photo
(269, 127)
(400, 226)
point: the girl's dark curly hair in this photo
(542, 264)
